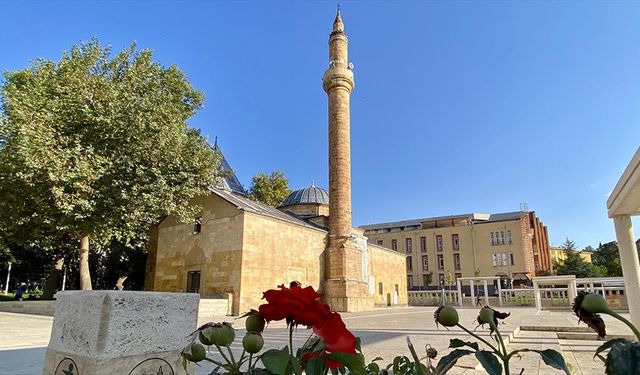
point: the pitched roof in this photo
(229, 181)
(246, 204)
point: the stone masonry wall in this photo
(276, 252)
(389, 268)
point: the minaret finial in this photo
(337, 23)
(313, 183)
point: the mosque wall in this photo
(388, 276)
(215, 252)
(276, 252)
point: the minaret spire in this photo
(337, 23)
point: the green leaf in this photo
(353, 362)
(489, 361)
(276, 361)
(372, 368)
(623, 358)
(457, 343)
(554, 359)
(295, 363)
(315, 366)
(609, 344)
(449, 360)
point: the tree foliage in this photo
(99, 147)
(574, 264)
(269, 189)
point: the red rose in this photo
(300, 305)
(335, 335)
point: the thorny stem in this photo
(480, 338)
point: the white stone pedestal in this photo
(118, 332)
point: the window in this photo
(425, 280)
(509, 237)
(193, 282)
(423, 244)
(504, 259)
(494, 259)
(513, 263)
(380, 242)
(492, 240)
(441, 279)
(439, 242)
(455, 241)
(380, 289)
(409, 281)
(394, 244)
(425, 263)
(409, 265)
(197, 225)
(440, 262)
(407, 245)
(502, 237)
(456, 262)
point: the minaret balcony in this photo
(338, 77)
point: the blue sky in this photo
(459, 106)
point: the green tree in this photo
(269, 189)
(100, 147)
(574, 264)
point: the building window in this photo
(425, 280)
(513, 263)
(423, 244)
(380, 289)
(409, 281)
(394, 244)
(502, 237)
(492, 239)
(494, 259)
(380, 242)
(409, 265)
(456, 262)
(439, 242)
(440, 262)
(407, 245)
(197, 225)
(425, 263)
(441, 279)
(509, 237)
(455, 241)
(504, 259)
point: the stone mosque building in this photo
(240, 248)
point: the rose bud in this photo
(447, 316)
(252, 342)
(221, 334)
(487, 315)
(194, 352)
(595, 304)
(255, 322)
(431, 352)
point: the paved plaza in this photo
(383, 332)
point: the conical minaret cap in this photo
(337, 23)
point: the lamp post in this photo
(6, 285)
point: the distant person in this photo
(19, 292)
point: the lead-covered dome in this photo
(308, 195)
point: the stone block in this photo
(120, 332)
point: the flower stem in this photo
(250, 358)
(213, 361)
(231, 354)
(625, 321)
(222, 353)
(291, 339)
(505, 356)
(479, 338)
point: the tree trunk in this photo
(120, 282)
(51, 285)
(85, 274)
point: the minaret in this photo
(345, 288)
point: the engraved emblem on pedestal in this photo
(66, 367)
(153, 366)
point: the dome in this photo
(308, 195)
